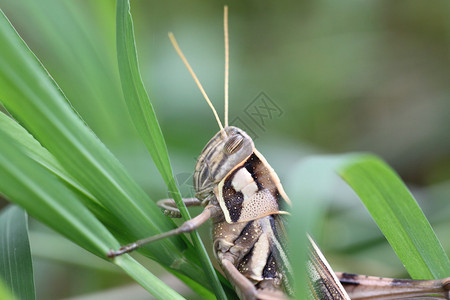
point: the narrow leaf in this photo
(16, 267)
(398, 215)
(144, 118)
(34, 150)
(136, 98)
(149, 281)
(34, 99)
(387, 199)
(29, 184)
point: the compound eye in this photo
(233, 144)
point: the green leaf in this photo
(78, 38)
(29, 184)
(144, 119)
(34, 150)
(398, 215)
(385, 196)
(149, 281)
(16, 268)
(34, 99)
(136, 98)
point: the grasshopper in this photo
(243, 197)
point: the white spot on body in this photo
(244, 183)
(241, 179)
(249, 190)
(259, 258)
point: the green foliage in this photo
(385, 196)
(16, 269)
(144, 119)
(398, 215)
(25, 181)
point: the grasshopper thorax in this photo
(232, 174)
(220, 155)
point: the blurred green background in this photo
(344, 76)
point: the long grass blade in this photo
(385, 196)
(30, 185)
(144, 119)
(34, 187)
(34, 99)
(16, 267)
(146, 279)
(398, 215)
(34, 150)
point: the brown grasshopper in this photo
(243, 196)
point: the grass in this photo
(53, 165)
(119, 202)
(16, 268)
(385, 196)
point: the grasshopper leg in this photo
(244, 287)
(188, 226)
(170, 209)
(370, 287)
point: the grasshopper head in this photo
(218, 158)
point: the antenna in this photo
(227, 55)
(183, 58)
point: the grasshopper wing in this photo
(324, 283)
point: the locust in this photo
(243, 197)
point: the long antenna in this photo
(183, 58)
(227, 55)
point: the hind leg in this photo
(170, 209)
(244, 287)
